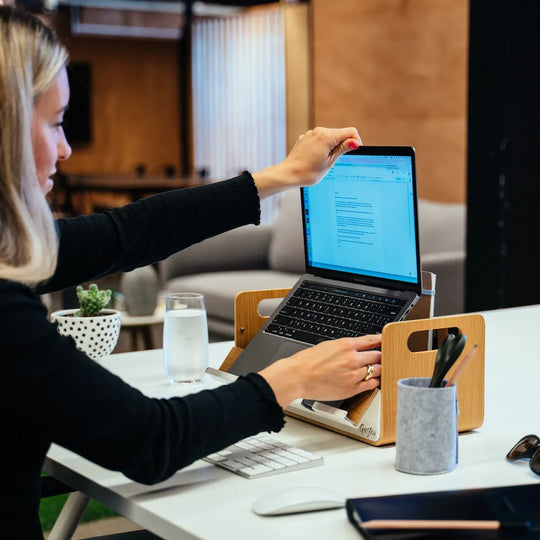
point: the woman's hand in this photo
(331, 370)
(313, 154)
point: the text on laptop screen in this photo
(360, 218)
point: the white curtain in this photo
(239, 107)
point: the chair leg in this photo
(69, 517)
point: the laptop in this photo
(362, 257)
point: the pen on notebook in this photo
(462, 364)
(425, 524)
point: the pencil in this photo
(462, 364)
(424, 524)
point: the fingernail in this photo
(353, 145)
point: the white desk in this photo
(203, 501)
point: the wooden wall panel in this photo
(298, 62)
(397, 70)
(135, 112)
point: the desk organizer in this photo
(371, 416)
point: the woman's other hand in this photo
(313, 154)
(328, 371)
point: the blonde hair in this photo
(30, 59)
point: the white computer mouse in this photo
(292, 500)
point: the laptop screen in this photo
(361, 217)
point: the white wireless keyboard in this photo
(261, 455)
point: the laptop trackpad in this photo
(287, 349)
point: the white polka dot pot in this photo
(95, 336)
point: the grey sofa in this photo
(271, 256)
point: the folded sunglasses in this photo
(527, 447)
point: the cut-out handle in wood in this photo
(247, 320)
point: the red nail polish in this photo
(353, 145)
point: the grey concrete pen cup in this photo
(426, 427)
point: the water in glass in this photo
(185, 341)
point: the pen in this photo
(462, 364)
(425, 524)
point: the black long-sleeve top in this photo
(51, 392)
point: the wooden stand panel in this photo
(399, 362)
(247, 320)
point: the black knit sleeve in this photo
(150, 230)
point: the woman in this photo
(53, 392)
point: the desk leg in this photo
(69, 517)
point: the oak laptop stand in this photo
(371, 416)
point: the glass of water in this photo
(185, 337)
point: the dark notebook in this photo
(517, 508)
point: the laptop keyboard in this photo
(317, 312)
(262, 455)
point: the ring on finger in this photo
(370, 372)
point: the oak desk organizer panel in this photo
(371, 416)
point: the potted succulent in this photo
(94, 328)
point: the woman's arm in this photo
(57, 394)
(149, 230)
(152, 229)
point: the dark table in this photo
(81, 190)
